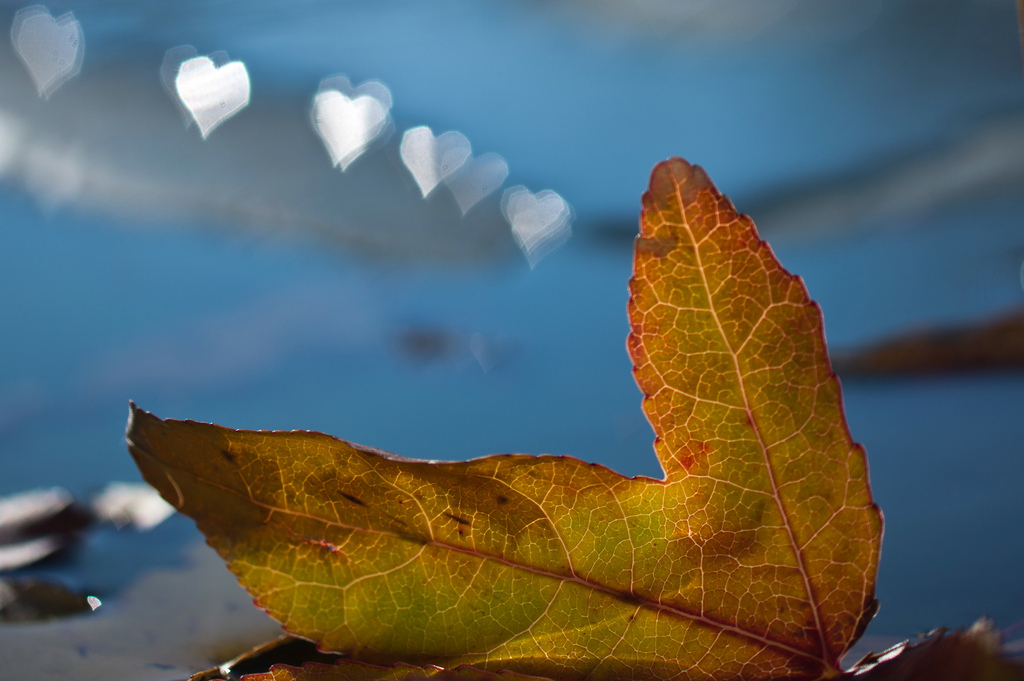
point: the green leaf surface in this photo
(754, 558)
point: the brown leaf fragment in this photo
(34, 600)
(359, 671)
(971, 655)
(283, 650)
(37, 524)
(1020, 21)
(992, 345)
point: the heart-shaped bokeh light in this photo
(540, 222)
(173, 59)
(52, 49)
(431, 159)
(476, 179)
(171, 65)
(211, 93)
(350, 119)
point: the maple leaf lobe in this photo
(761, 395)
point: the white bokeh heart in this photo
(348, 125)
(212, 94)
(52, 49)
(173, 59)
(169, 67)
(432, 159)
(476, 179)
(540, 222)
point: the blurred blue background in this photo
(243, 280)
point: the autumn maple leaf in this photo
(754, 558)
